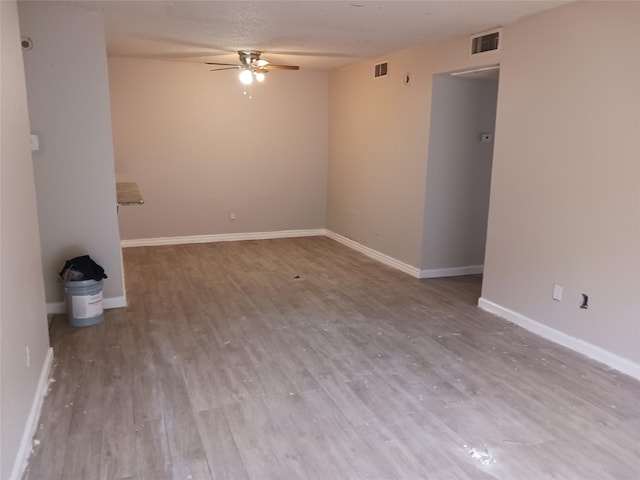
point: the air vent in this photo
(381, 70)
(485, 42)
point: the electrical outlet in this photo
(232, 215)
(585, 301)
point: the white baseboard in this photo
(222, 237)
(371, 253)
(592, 351)
(114, 302)
(234, 237)
(22, 458)
(56, 307)
(451, 272)
(111, 302)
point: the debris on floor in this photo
(482, 456)
(516, 442)
(453, 334)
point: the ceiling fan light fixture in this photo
(246, 77)
(251, 67)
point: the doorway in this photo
(461, 138)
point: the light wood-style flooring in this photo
(301, 359)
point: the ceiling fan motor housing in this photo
(250, 61)
(249, 57)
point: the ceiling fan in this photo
(251, 66)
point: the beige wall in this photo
(23, 319)
(377, 154)
(199, 149)
(565, 203)
(378, 147)
(459, 172)
(68, 98)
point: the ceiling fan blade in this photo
(271, 66)
(225, 68)
(223, 64)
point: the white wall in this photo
(23, 320)
(199, 149)
(68, 96)
(459, 172)
(565, 203)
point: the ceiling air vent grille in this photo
(381, 70)
(485, 42)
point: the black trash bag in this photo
(81, 268)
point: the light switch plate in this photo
(557, 291)
(35, 143)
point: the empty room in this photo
(340, 240)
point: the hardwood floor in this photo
(301, 359)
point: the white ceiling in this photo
(317, 35)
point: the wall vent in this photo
(486, 42)
(381, 70)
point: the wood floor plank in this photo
(300, 359)
(118, 459)
(153, 455)
(188, 457)
(221, 450)
(250, 427)
(118, 452)
(82, 459)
